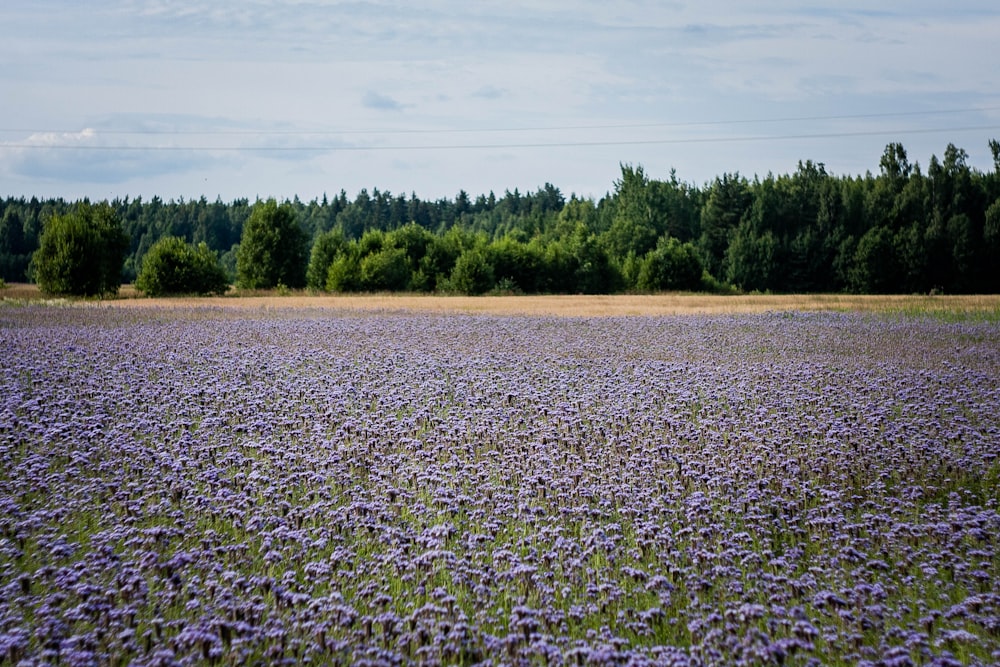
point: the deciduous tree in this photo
(81, 252)
(272, 249)
(672, 265)
(325, 249)
(173, 266)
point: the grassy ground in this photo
(572, 305)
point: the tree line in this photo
(904, 229)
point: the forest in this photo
(904, 229)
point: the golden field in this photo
(572, 305)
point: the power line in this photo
(500, 146)
(551, 128)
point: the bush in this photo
(173, 266)
(81, 253)
(325, 250)
(344, 274)
(710, 283)
(473, 273)
(414, 240)
(672, 265)
(515, 264)
(387, 269)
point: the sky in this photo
(266, 98)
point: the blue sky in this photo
(260, 98)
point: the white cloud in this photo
(89, 157)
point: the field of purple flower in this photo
(194, 486)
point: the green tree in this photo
(344, 274)
(387, 269)
(416, 242)
(672, 265)
(228, 261)
(967, 244)
(726, 203)
(371, 242)
(751, 258)
(515, 262)
(473, 273)
(81, 252)
(440, 257)
(11, 233)
(272, 248)
(679, 207)
(14, 251)
(590, 268)
(956, 230)
(875, 269)
(413, 239)
(325, 249)
(991, 239)
(634, 229)
(173, 266)
(911, 254)
(575, 212)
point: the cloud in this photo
(89, 157)
(272, 82)
(489, 92)
(139, 146)
(373, 100)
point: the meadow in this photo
(191, 483)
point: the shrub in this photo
(387, 269)
(672, 265)
(344, 274)
(473, 273)
(173, 266)
(324, 251)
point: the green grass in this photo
(949, 314)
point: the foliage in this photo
(635, 227)
(807, 231)
(473, 272)
(344, 274)
(385, 270)
(875, 267)
(672, 265)
(81, 253)
(272, 248)
(15, 251)
(517, 264)
(325, 250)
(728, 200)
(751, 259)
(173, 266)
(589, 268)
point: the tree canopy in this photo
(173, 266)
(273, 248)
(903, 229)
(81, 252)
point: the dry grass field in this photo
(574, 305)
